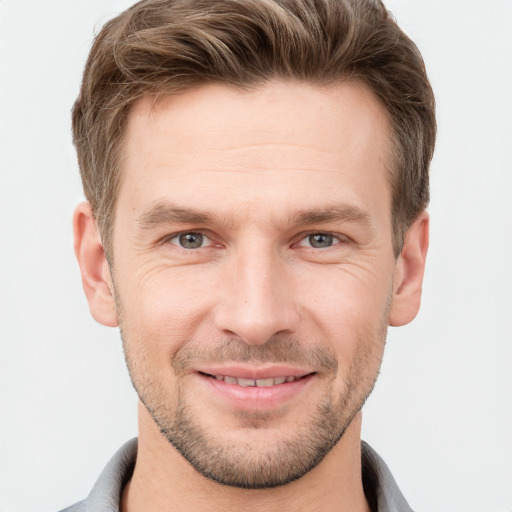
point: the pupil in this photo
(191, 240)
(320, 240)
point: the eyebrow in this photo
(163, 213)
(167, 213)
(337, 213)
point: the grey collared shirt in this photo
(380, 488)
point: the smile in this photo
(255, 388)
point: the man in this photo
(257, 177)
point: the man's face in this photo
(254, 272)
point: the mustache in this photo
(278, 350)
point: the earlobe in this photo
(409, 270)
(96, 278)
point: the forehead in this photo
(278, 144)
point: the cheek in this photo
(350, 310)
(355, 331)
(161, 309)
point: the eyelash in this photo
(174, 236)
(337, 239)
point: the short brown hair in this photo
(168, 46)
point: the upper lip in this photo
(254, 372)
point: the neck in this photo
(163, 480)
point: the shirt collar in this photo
(380, 487)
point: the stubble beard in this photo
(244, 464)
(254, 466)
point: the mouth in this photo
(246, 389)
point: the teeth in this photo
(246, 382)
(265, 383)
(260, 383)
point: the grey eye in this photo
(190, 240)
(320, 240)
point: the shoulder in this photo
(105, 494)
(379, 485)
(77, 507)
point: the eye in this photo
(319, 241)
(190, 240)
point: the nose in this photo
(257, 299)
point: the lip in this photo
(254, 398)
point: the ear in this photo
(96, 278)
(408, 278)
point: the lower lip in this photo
(254, 397)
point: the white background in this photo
(441, 415)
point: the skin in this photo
(263, 171)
